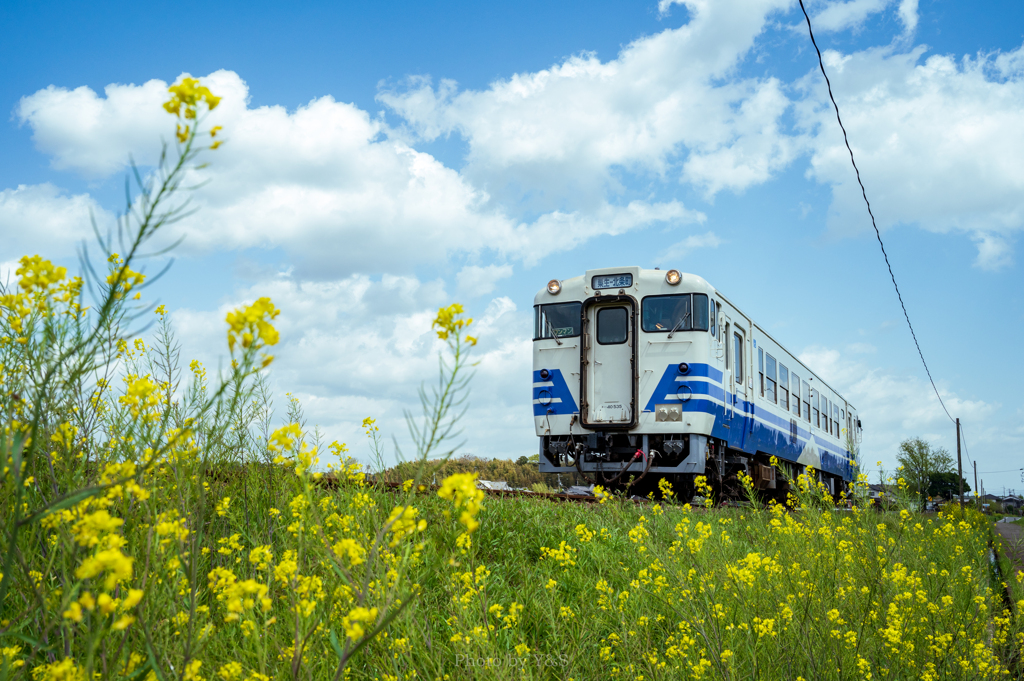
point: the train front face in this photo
(621, 363)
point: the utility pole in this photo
(959, 468)
(976, 492)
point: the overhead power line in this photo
(864, 193)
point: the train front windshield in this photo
(561, 320)
(682, 312)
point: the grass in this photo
(157, 525)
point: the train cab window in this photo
(682, 312)
(760, 367)
(796, 395)
(737, 341)
(612, 325)
(784, 387)
(807, 402)
(714, 327)
(770, 377)
(557, 321)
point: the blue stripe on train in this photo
(558, 395)
(746, 429)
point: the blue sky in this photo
(385, 159)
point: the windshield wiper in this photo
(678, 324)
(551, 329)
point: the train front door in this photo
(609, 364)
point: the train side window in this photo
(835, 418)
(814, 409)
(760, 367)
(725, 342)
(738, 352)
(783, 387)
(807, 402)
(796, 395)
(700, 312)
(714, 321)
(825, 416)
(770, 377)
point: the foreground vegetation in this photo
(162, 527)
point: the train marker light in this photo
(554, 286)
(684, 368)
(672, 277)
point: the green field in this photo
(159, 523)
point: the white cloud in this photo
(938, 143)
(667, 100)
(323, 183)
(43, 219)
(682, 248)
(894, 406)
(840, 16)
(908, 15)
(362, 347)
(475, 280)
(94, 135)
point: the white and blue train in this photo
(639, 371)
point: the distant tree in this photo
(945, 485)
(919, 462)
(522, 461)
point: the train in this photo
(643, 374)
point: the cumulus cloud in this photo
(683, 248)
(94, 135)
(475, 280)
(668, 105)
(362, 347)
(894, 406)
(43, 219)
(840, 16)
(938, 142)
(324, 183)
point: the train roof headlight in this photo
(554, 286)
(673, 277)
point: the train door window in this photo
(714, 321)
(760, 367)
(737, 340)
(770, 377)
(796, 395)
(718, 313)
(792, 431)
(612, 325)
(784, 387)
(807, 402)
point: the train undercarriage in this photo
(636, 463)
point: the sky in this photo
(385, 159)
